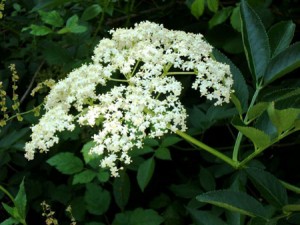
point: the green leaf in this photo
(91, 12)
(259, 221)
(151, 142)
(207, 180)
(103, 175)
(256, 43)
(239, 84)
(86, 150)
(197, 8)
(188, 190)
(280, 36)
(39, 30)
(56, 54)
(138, 217)
(220, 17)
(21, 201)
(281, 94)
(97, 199)
(170, 140)
(84, 177)
(78, 208)
(204, 217)
(12, 137)
(10, 221)
(94, 223)
(163, 153)
(213, 5)
(12, 211)
(78, 29)
(52, 18)
(291, 208)
(121, 190)
(235, 19)
(269, 187)
(66, 163)
(73, 26)
(234, 201)
(236, 103)
(283, 63)
(48, 4)
(284, 119)
(72, 21)
(259, 138)
(145, 173)
(257, 110)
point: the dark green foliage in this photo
(170, 181)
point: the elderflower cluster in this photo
(143, 96)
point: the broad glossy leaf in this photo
(284, 119)
(197, 8)
(121, 190)
(213, 5)
(52, 18)
(12, 137)
(259, 221)
(207, 180)
(21, 201)
(91, 12)
(85, 151)
(55, 54)
(235, 201)
(280, 36)
(239, 84)
(236, 103)
(170, 140)
(269, 186)
(201, 217)
(84, 177)
(138, 216)
(259, 138)
(257, 110)
(188, 190)
(39, 30)
(256, 43)
(66, 163)
(97, 199)
(235, 19)
(12, 211)
(145, 173)
(10, 221)
(283, 63)
(48, 4)
(73, 26)
(220, 17)
(163, 153)
(72, 21)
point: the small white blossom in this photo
(147, 102)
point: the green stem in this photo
(180, 73)
(23, 113)
(238, 140)
(100, 23)
(208, 149)
(134, 69)
(290, 187)
(118, 80)
(7, 193)
(259, 151)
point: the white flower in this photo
(145, 104)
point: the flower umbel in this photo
(144, 100)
